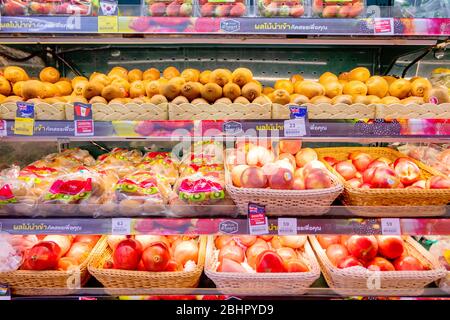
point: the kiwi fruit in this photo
(199, 101)
(262, 100)
(32, 89)
(361, 99)
(5, 86)
(344, 99)
(158, 99)
(171, 72)
(191, 90)
(134, 75)
(100, 77)
(224, 101)
(220, 77)
(152, 88)
(73, 99)
(137, 89)
(17, 88)
(112, 92)
(298, 98)
(98, 99)
(49, 74)
(241, 76)
(419, 86)
(15, 74)
(251, 91)
(211, 91)
(268, 90)
(78, 87)
(320, 99)
(92, 89)
(411, 100)
(151, 74)
(139, 100)
(118, 72)
(180, 100)
(204, 77)
(190, 75)
(281, 96)
(241, 100)
(118, 101)
(13, 99)
(373, 99)
(436, 95)
(2, 98)
(122, 83)
(389, 100)
(231, 90)
(65, 87)
(171, 90)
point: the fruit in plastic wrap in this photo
(200, 189)
(160, 163)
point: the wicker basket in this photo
(43, 111)
(399, 199)
(285, 202)
(120, 281)
(262, 283)
(129, 111)
(49, 282)
(358, 280)
(219, 111)
(329, 111)
(413, 111)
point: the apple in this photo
(390, 247)
(304, 156)
(186, 10)
(336, 253)
(422, 184)
(312, 165)
(232, 252)
(360, 160)
(237, 10)
(207, 10)
(173, 9)
(346, 169)
(259, 156)
(344, 239)
(384, 178)
(330, 11)
(355, 183)
(289, 157)
(377, 163)
(367, 175)
(298, 184)
(222, 10)
(406, 170)
(326, 240)
(297, 11)
(407, 263)
(385, 160)
(228, 265)
(318, 179)
(349, 262)
(236, 174)
(380, 264)
(330, 160)
(285, 163)
(253, 177)
(282, 178)
(157, 9)
(362, 247)
(366, 186)
(290, 146)
(438, 182)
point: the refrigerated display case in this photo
(247, 149)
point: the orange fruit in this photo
(268, 90)
(284, 84)
(344, 76)
(377, 86)
(359, 74)
(49, 74)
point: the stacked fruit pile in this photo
(361, 170)
(261, 254)
(380, 253)
(223, 8)
(337, 9)
(169, 8)
(296, 168)
(153, 253)
(270, 8)
(52, 252)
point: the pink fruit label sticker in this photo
(433, 100)
(383, 26)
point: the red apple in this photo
(222, 10)
(407, 263)
(336, 253)
(282, 179)
(344, 239)
(330, 11)
(366, 186)
(304, 156)
(290, 146)
(289, 157)
(385, 160)
(384, 178)
(207, 10)
(173, 9)
(285, 163)
(377, 163)
(380, 264)
(354, 183)
(297, 11)
(237, 10)
(327, 240)
(422, 184)
(313, 165)
(390, 247)
(362, 247)
(367, 175)
(157, 9)
(349, 262)
(330, 160)
(253, 177)
(360, 160)
(406, 170)
(298, 184)
(438, 182)
(317, 179)
(346, 169)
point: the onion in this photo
(232, 252)
(294, 242)
(222, 241)
(185, 251)
(287, 253)
(113, 241)
(275, 242)
(246, 240)
(64, 242)
(147, 240)
(253, 252)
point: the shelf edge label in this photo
(121, 226)
(390, 226)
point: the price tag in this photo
(257, 220)
(297, 126)
(82, 113)
(24, 122)
(121, 226)
(5, 292)
(287, 226)
(384, 26)
(108, 24)
(3, 128)
(390, 226)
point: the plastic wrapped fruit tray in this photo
(222, 8)
(413, 111)
(280, 8)
(285, 202)
(380, 198)
(262, 283)
(219, 111)
(329, 111)
(49, 282)
(354, 280)
(114, 280)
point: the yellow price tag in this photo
(24, 126)
(108, 24)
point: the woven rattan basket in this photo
(262, 283)
(360, 281)
(219, 111)
(329, 111)
(399, 199)
(43, 111)
(49, 282)
(129, 111)
(413, 111)
(285, 202)
(114, 280)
